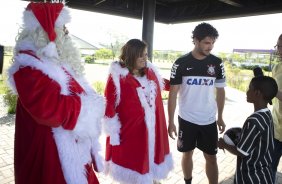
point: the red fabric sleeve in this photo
(41, 97)
(166, 84)
(110, 94)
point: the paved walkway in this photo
(236, 111)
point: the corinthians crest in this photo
(211, 70)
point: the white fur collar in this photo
(116, 71)
(52, 70)
(156, 71)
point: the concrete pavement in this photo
(236, 111)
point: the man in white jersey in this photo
(195, 76)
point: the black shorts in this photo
(191, 135)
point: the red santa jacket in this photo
(137, 149)
(57, 123)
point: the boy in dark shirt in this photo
(255, 149)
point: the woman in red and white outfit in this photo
(137, 149)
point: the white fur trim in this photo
(117, 71)
(127, 176)
(161, 171)
(74, 154)
(50, 50)
(31, 22)
(89, 120)
(91, 113)
(64, 17)
(150, 117)
(50, 69)
(112, 127)
(157, 73)
(95, 152)
(84, 137)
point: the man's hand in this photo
(172, 130)
(221, 144)
(221, 125)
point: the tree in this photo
(117, 40)
(103, 54)
(237, 57)
(223, 56)
(115, 48)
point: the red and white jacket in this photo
(58, 123)
(137, 148)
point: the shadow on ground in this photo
(8, 120)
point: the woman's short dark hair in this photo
(267, 86)
(204, 30)
(132, 50)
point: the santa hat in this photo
(48, 16)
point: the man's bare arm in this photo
(171, 109)
(220, 100)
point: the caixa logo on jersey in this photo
(200, 81)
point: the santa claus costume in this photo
(137, 149)
(58, 113)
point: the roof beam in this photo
(99, 2)
(231, 2)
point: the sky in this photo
(255, 32)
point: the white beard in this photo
(36, 40)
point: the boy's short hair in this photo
(267, 86)
(203, 30)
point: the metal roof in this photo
(82, 44)
(263, 51)
(177, 11)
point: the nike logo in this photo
(189, 68)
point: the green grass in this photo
(7, 62)
(238, 78)
(2, 87)
(165, 95)
(99, 87)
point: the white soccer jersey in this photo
(198, 79)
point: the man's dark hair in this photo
(267, 86)
(203, 30)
